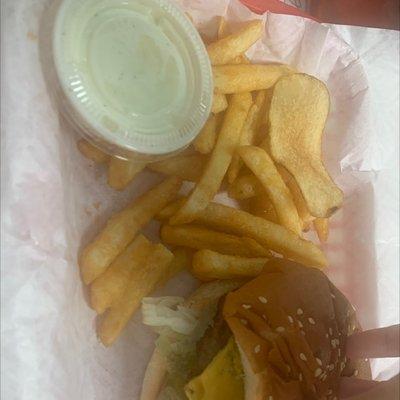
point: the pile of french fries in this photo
(262, 139)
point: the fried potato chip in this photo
(272, 236)
(142, 282)
(91, 152)
(299, 109)
(205, 141)
(209, 265)
(122, 172)
(226, 49)
(109, 287)
(122, 228)
(245, 187)
(199, 238)
(241, 78)
(186, 167)
(258, 161)
(219, 104)
(219, 161)
(248, 134)
(261, 206)
(321, 225)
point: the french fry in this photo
(298, 198)
(199, 238)
(219, 161)
(122, 228)
(91, 152)
(142, 282)
(182, 260)
(229, 79)
(272, 236)
(109, 287)
(219, 104)
(209, 265)
(264, 169)
(226, 49)
(245, 187)
(170, 209)
(321, 225)
(205, 141)
(248, 134)
(122, 172)
(186, 167)
(261, 206)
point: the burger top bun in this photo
(291, 325)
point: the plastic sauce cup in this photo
(134, 77)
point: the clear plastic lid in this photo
(134, 75)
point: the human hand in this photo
(377, 343)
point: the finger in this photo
(388, 390)
(377, 343)
(351, 386)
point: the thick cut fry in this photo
(219, 161)
(261, 206)
(109, 287)
(209, 265)
(248, 134)
(122, 172)
(298, 198)
(200, 238)
(122, 228)
(142, 282)
(226, 49)
(245, 187)
(219, 104)
(229, 79)
(321, 226)
(205, 141)
(186, 167)
(170, 209)
(270, 235)
(91, 152)
(264, 169)
(299, 109)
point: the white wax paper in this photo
(53, 200)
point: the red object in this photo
(372, 13)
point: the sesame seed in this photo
(300, 377)
(319, 362)
(314, 389)
(288, 368)
(342, 365)
(243, 321)
(311, 321)
(246, 306)
(263, 300)
(339, 352)
(280, 329)
(329, 392)
(333, 296)
(325, 377)
(264, 316)
(303, 333)
(299, 311)
(355, 372)
(333, 343)
(327, 336)
(257, 349)
(303, 357)
(317, 372)
(291, 320)
(300, 324)
(331, 367)
(270, 398)
(335, 398)
(330, 331)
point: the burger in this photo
(281, 336)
